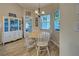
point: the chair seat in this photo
(42, 43)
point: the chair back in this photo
(44, 36)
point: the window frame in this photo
(57, 30)
(40, 22)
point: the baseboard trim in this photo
(13, 41)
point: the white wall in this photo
(5, 8)
(69, 39)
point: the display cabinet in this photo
(12, 28)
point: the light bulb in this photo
(36, 11)
(43, 12)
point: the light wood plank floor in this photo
(18, 48)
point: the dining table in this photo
(34, 37)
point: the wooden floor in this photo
(18, 48)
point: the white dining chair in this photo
(42, 42)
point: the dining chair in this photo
(42, 42)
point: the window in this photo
(57, 20)
(45, 22)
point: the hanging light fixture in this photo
(36, 11)
(39, 12)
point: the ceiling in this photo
(32, 5)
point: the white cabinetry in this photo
(12, 29)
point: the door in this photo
(27, 25)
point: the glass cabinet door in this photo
(6, 24)
(11, 24)
(16, 24)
